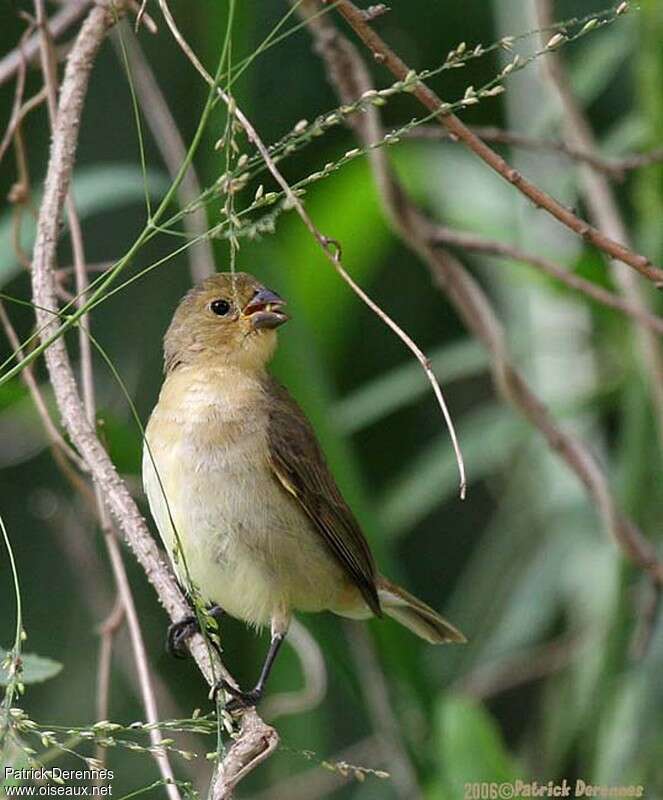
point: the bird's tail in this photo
(416, 615)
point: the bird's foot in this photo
(180, 632)
(240, 700)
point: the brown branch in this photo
(474, 242)
(107, 631)
(604, 211)
(58, 24)
(615, 168)
(383, 717)
(350, 78)
(16, 119)
(387, 57)
(114, 491)
(87, 381)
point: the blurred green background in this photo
(546, 687)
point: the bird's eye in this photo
(220, 307)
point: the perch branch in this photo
(476, 243)
(349, 76)
(87, 382)
(113, 489)
(387, 57)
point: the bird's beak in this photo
(265, 310)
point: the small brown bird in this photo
(233, 465)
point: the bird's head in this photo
(230, 317)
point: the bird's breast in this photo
(247, 544)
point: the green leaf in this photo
(36, 669)
(471, 745)
(406, 384)
(97, 189)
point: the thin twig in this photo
(70, 527)
(89, 403)
(315, 677)
(107, 631)
(15, 116)
(141, 660)
(115, 493)
(605, 213)
(37, 397)
(381, 712)
(317, 781)
(34, 102)
(348, 74)
(169, 141)
(330, 247)
(58, 24)
(388, 58)
(615, 168)
(474, 242)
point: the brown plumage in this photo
(300, 466)
(232, 468)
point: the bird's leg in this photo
(246, 699)
(179, 632)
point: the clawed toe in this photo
(179, 632)
(240, 699)
(177, 636)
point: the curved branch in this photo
(427, 97)
(115, 493)
(350, 78)
(58, 24)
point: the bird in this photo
(239, 487)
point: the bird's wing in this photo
(300, 468)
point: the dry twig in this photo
(114, 491)
(474, 242)
(349, 76)
(58, 24)
(615, 168)
(605, 213)
(387, 57)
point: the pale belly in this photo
(247, 545)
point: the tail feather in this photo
(416, 615)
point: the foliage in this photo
(521, 563)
